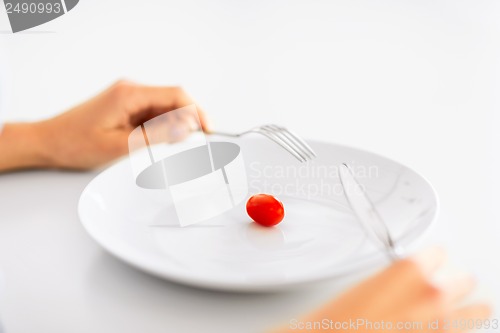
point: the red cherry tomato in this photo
(265, 209)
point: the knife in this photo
(366, 212)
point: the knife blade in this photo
(366, 212)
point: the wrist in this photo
(23, 146)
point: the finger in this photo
(456, 289)
(166, 128)
(470, 318)
(168, 98)
(168, 132)
(429, 260)
(184, 99)
(164, 99)
(205, 123)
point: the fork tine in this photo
(272, 136)
(302, 142)
(278, 133)
(298, 139)
(292, 145)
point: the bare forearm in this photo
(22, 146)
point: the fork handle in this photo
(223, 134)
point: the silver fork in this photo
(283, 137)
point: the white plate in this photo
(318, 239)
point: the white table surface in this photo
(417, 81)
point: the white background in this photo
(417, 81)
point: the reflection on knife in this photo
(365, 211)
